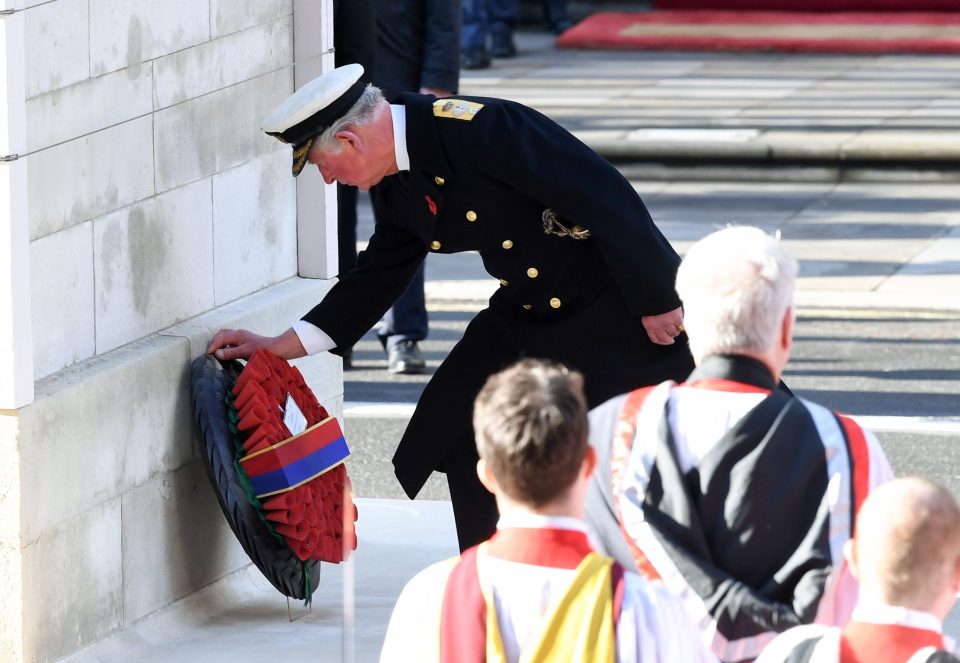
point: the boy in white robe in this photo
(536, 589)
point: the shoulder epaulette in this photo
(458, 109)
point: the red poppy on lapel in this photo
(432, 205)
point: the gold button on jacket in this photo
(439, 180)
(503, 282)
(527, 306)
(435, 245)
(507, 244)
(533, 273)
(554, 303)
(471, 216)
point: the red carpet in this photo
(789, 32)
(815, 5)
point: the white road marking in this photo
(923, 425)
(927, 425)
(377, 410)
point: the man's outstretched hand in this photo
(240, 344)
(663, 328)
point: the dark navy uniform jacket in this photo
(499, 178)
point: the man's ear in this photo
(590, 461)
(850, 554)
(486, 476)
(351, 138)
(786, 329)
(955, 578)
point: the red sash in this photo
(861, 642)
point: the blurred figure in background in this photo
(484, 20)
(416, 51)
(906, 554)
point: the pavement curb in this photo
(474, 295)
(894, 149)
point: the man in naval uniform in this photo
(586, 277)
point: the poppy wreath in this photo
(286, 497)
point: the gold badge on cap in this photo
(457, 109)
(300, 155)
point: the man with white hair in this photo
(906, 554)
(734, 492)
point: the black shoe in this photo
(474, 58)
(502, 45)
(405, 357)
(561, 26)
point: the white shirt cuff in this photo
(312, 338)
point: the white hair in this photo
(361, 113)
(736, 285)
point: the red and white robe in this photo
(875, 634)
(739, 497)
(528, 567)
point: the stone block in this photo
(104, 174)
(57, 45)
(62, 286)
(175, 540)
(124, 33)
(229, 16)
(72, 583)
(217, 131)
(9, 479)
(11, 588)
(102, 427)
(11, 564)
(316, 225)
(223, 62)
(152, 265)
(313, 26)
(254, 226)
(79, 109)
(271, 311)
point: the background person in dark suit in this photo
(354, 40)
(586, 277)
(417, 50)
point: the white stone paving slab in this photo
(77, 180)
(215, 132)
(72, 583)
(57, 34)
(254, 226)
(101, 427)
(124, 33)
(78, 110)
(216, 64)
(229, 16)
(152, 264)
(174, 540)
(61, 281)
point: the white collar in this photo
(399, 114)
(896, 615)
(528, 519)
